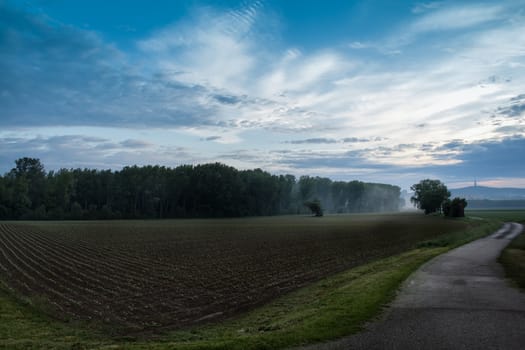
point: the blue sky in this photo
(378, 91)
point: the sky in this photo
(376, 91)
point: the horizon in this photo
(492, 184)
(369, 91)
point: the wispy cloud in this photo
(135, 144)
(313, 141)
(515, 107)
(211, 49)
(456, 17)
(426, 6)
(211, 138)
(321, 140)
(59, 75)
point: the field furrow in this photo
(60, 272)
(38, 272)
(105, 259)
(81, 269)
(32, 279)
(154, 275)
(102, 266)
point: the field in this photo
(147, 276)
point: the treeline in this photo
(208, 190)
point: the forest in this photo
(29, 192)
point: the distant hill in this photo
(490, 193)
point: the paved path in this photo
(459, 300)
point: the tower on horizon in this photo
(475, 183)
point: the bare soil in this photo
(146, 276)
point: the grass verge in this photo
(513, 260)
(333, 307)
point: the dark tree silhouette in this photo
(315, 207)
(455, 208)
(429, 195)
(206, 190)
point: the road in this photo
(459, 300)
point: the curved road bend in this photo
(458, 300)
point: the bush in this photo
(315, 207)
(454, 208)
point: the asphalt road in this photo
(459, 300)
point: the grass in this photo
(501, 215)
(22, 326)
(333, 307)
(513, 257)
(513, 260)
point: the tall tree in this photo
(31, 171)
(429, 195)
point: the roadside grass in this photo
(513, 260)
(513, 257)
(22, 326)
(330, 308)
(453, 240)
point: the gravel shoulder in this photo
(459, 300)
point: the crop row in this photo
(146, 275)
(86, 281)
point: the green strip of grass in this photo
(513, 260)
(331, 308)
(22, 326)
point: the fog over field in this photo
(375, 91)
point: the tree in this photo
(315, 207)
(207, 190)
(455, 208)
(30, 173)
(429, 195)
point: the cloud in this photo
(426, 6)
(490, 159)
(360, 140)
(451, 146)
(55, 74)
(485, 160)
(324, 140)
(248, 85)
(211, 138)
(358, 45)
(456, 17)
(515, 108)
(227, 99)
(511, 130)
(455, 81)
(212, 49)
(493, 158)
(66, 151)
(136, 144)
(314, 141)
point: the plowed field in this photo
(138, 276)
